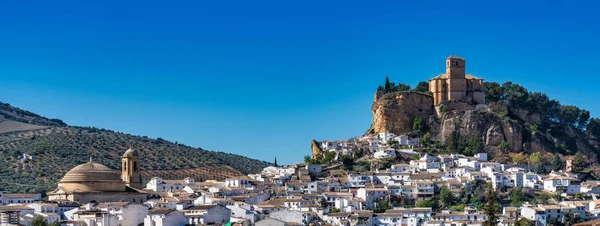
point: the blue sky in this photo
(263, 78)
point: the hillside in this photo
(514, 120)
(57, 147)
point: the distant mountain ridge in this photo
(57, 147)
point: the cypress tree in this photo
(275, 162)
(387, 87)
(489, 208)
(557, 163)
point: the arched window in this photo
(135, 167)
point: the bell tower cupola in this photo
(130, 169)
(455, 67)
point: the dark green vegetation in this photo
(490, 208)
(57, 148)
(390, 87)
(550, 110)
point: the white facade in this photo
(157, 184)
(371, 196)
(165, 218)
(385, 153)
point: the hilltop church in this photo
(455, 85)
(93, 182)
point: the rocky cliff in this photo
(500, 127)
(394, 112)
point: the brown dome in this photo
(130, 153)
(92, 176)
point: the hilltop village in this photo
(432, 190)
(381, 178)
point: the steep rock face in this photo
(494, 135)
(315, 149)
(501, 126)
(394, 112)
(513, 133)
(487, 125)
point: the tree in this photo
(422, 87)
(518, 158)
(382, 206)
(446, 197)
(431, 202)
(418, 123)
(579, 162)
(55, 223)
(328, 157)
(584, 118)
(275, 162)
(568, 115)
(425, 139)
(537, 162)
(347, 161)
(523, 222)
(402, 87)
(495, 92)
(490, 206)
(579, 195)
(334, 210)
(557, 163)
(39, 221)
(323, 203)
(593, 127)
(516, 197)
(387, 87)
(308, 159)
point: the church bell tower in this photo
(455, 67)
(130, 169)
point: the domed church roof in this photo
(91, 172)
(89, 166)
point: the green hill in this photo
(57, 147)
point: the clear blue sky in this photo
(263, 78)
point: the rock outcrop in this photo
(501, 126)
(394, 112)
(316, 150)
(483, 124)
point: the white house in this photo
(292, 216)
(313, 169)
(371, 196)
(7, 198)
(270, 222)
(238, 182)
(127, 213)
(532, 180)
(564, 184)
(481, 156)
(384, 137)
(165, 217)
(245, 212)
(385, 153)
(332, 197)
(157, 184)
(207, 214)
